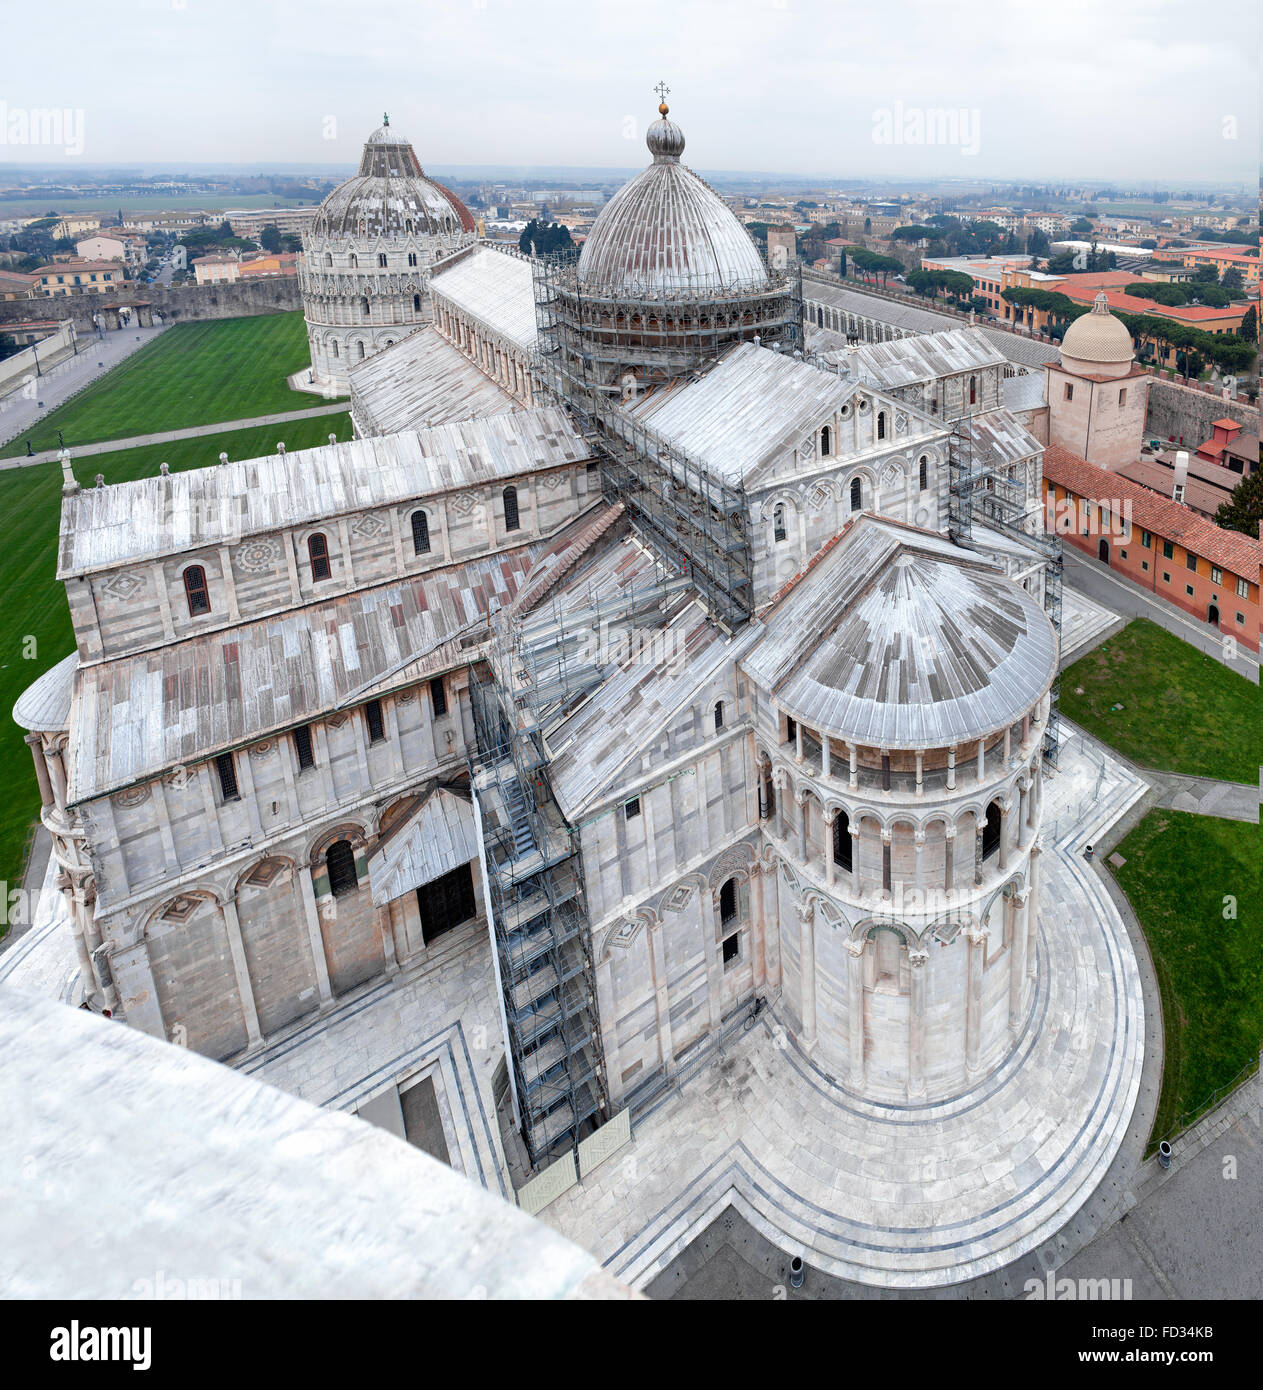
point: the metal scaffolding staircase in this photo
(975, 484)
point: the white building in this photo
(367, 255)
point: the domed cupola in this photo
(391, 196)
(668, 231)
(1098, 343)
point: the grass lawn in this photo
(1180, 869)
(193, 374)
(1181, 711)
(35, 603)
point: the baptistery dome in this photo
(391, 196)
(1098, 339)
(365, 269)
(668, 230)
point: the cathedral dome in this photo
(391, 196)
(1098, 336)
(668, 231)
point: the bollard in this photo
(1087, 852)
(796, 1272)
(1164, 1155)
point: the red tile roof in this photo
(1133, 304)
(1230, 550)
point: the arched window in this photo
(881, 424)
(991, 831)
(728, 900)
(364, 309)
(842, 843)
(857, 494)
(923, 473)
(328, 258)
(819, 317)
(420, 533)
(340, 863)
(335, 350)
(412, 258)
(779, 533)
(407, 226)
(318, 551)
(719, 714)
(195, 590)
(416, 303)
(826, 442)
(973, 390)
(360, 351)
(355, 261)
(381, 259)
(511, 522)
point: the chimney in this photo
(1181, 476)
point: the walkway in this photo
(1093, 579)
(1205, 797)
(109, 446)
(19, 413)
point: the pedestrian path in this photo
(110, 446)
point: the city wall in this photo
(176, 303)
(1186, 414)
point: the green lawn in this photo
(193, 374)
(1183, 872)
(69, 206)
(1180, 711)
(36, 631)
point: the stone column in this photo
(854, 780)
(1032, 912)
(1008, 743)
(826, 755)
(951, 769)
(758, 927)
(607, 1006)
(979, 826)
(916, 1024)
(800, 800)
(1017, 905)
(311, 916)
(830, 868)
(782, 824)
(920, 773)
(388, 939)
(982, 761)
(798, 740)
(807, 971)
(918, 882)
(886, 856)
(41, 769)
(1023, 811)
(658, 964)
(1005, 808)
(976, 939)
(855, 1009)
(949, 840)
(241, 970)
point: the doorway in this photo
(1212, 615)
(446, 903)
(1103, 551)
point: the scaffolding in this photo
(594, 338)
(540, 665)
(1003, 504)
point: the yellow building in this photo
(79, 277)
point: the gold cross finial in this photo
(662, 89)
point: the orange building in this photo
(1209, 572)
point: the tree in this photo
(270, 237)
(1037, 242)
(1203, 274)
(1080, 226)
(1243, 511)
(1231, 279)
(1249, 330)
(545, 239)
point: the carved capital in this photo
(805, 911)
(917, 958)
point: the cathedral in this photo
(656, 654)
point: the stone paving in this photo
(904, 1196)
(19, 413)
(1204, 797)
(1084, 623)
(41, 959)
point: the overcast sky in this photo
(1131, 90)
